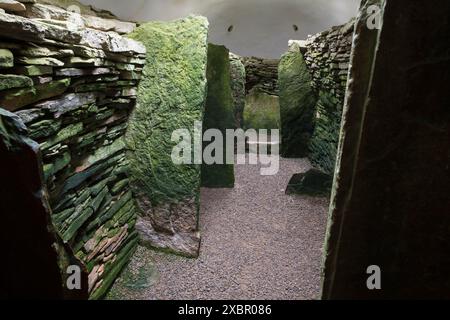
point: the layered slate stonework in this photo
(219, 114)
(72, 81)
(297, 104)
(171, 96)
(261, 74)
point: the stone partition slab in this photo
(171, 96)
(297, 104)
(237, 74)
(390, 203)
(262, 111)
(219, 114)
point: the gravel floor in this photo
(257, 243)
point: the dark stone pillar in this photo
(34, 259)
(390, 204)
(218, 114)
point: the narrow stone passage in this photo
(257, 243)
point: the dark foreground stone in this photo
(313, 183)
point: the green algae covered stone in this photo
(171, 99)
(297, 104)
(312, 183)
(218, 114)
(12, 81)
(171, 96)
(238, 74)
(324, 142)
(262, 111)
(6, 58)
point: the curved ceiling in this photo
(260, 27)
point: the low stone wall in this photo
(261, 74)
(74, 87)
(327, 56)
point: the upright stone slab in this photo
(297, 103)
(237, 79)
(390, 203)
(218, 115)
(29, 237)
(262, 111)
(171, 96)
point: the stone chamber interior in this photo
(88, 107)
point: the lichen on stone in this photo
(218, 114)
(297, 103)
(171, 96)
(262, 111)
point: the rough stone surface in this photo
(6, 58)
(297, 104)
(258, 243)
(313, 183)
(327, 56)
(219, 114)
(261, 74)
(67, 87)
(237, 71)
(25, 211)
(12, 81)
(391, 197)
(21, 28)
(13, 100)
(262, 111)
(171, 96)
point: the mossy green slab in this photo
(237, 71)
(171, 96)
(324, 142)
(6, 58)
(12, 81)
(218, 114)
(262, 111)
(297, 104)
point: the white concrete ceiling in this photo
(260, 27)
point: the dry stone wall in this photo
(327, 56)
(74, 85)
(261, 74)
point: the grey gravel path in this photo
(257, 243)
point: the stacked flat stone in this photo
(327, 56)
(74, 87)
(261, 74)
